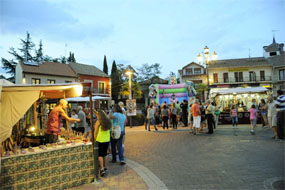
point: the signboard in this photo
(131, 107)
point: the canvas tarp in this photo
(219, 91)
(86, 99)
(17, 99)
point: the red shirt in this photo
(53, 123)
(195, 109)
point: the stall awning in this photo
(217, 91)
(15, 100)
(86, 99)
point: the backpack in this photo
(116, 130)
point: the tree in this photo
(147, 71)
(71, 57)
(2, 77)
(10, 66)
(201, 88)
(116, 82)
(39, 53)
(136, 90)
(27, 47)
(105, 65)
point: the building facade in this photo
(246, 72)
(44, 73)
(274, 53)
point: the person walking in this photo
(190, 118)
(263, 112)
(74, 116)
(210, 117)
(195, 109)
(150, 117)
(164, 115)
(252, 117)
(184, 108)
(234, 116)
(280, 114)
(272, 116)
(117, 144)
(174, 115)
(217, 115)
(144, 112)
(102, 135)
(82, 124)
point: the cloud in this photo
(51, 20)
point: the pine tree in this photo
(71, 57)
(10, 66)
(39, 53)
(116, 82)
(27, 47)
(105, 66)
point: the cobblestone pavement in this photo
(228, 159)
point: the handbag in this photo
(116, 130)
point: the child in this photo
(234, 116)
(253, 113)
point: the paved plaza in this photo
(176, 159)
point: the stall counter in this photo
(55, 168)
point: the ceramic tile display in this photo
(54, 168)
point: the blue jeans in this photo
(117, 144)
(235, 120)
(153, 122)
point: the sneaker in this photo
(105, 169)
(102, 172)
(252, 132)
(123, 162)
(233, 127)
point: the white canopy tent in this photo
(220, 91)
(86, 99)
(15, 100)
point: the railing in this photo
(242, 80)
(100, 90)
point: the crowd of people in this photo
(197, 115)
(80, 121)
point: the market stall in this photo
(65, 164)
(241, 97)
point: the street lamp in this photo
(129, 72)
(207, 61)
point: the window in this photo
(50, 81)
(101, 87)
(282, 74)
(226, 77)
(68, 81)
(189, 71)
(262, 76)
(36, 81)
(197, 70)
(252, 76)
(272, 53)
(215, 76)
(238, 77)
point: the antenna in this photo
(249, 53)
(65, 45)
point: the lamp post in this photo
(207, 61)
(129, 72)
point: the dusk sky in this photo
(169, 32)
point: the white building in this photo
(44, 73)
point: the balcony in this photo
(100, 90)
(232, 80)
